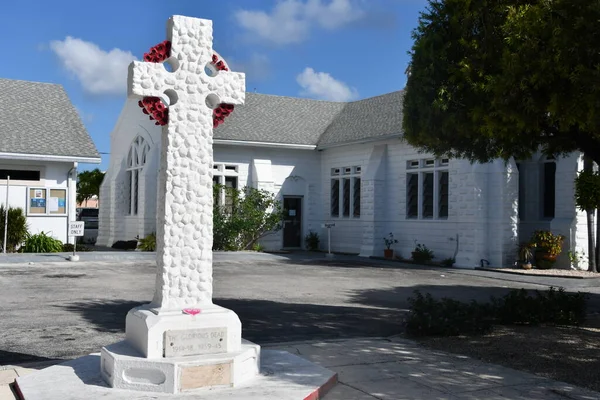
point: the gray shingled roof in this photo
(39, 118)
(376, 117)
(278, 119)
(289, 120)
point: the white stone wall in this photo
(483, 199)
(115, 223)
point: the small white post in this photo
(328, 226)
(6, 216)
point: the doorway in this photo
(292, 222)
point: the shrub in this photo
(422, 254)
(550, 307)
(258, 247)
(312, 241)
(448, 262)
(148, 243)
(42, 243)
(68, 248)
(446, 317)
(247, 216)
(17, 228)
(125, 244)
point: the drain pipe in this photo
(68, 199)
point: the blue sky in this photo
(336, 50)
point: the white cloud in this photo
(290, 21)
(98, 71)
(322, 85)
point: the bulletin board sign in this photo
(57, 202)
(47, 201)
(37, 201)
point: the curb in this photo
(502, 271)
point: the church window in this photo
(412, 194)
(427, 190)
(335, 199)
(225, 176)
(136, 159)
(356, 198)
(345, 192)
(428, 195)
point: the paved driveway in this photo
(64, 310)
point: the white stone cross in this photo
(185, 199)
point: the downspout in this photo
(68, 199)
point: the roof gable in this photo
(39, 118)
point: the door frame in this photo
(301, 198)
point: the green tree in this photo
(248, 215)
(88, 184)
(505, 78)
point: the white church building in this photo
(347, 163)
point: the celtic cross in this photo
(185, 200)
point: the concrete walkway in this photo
(396, 369)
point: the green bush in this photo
(554, 306)
(447, 317)
(248, 215)
(148, 243)
(68, 248)
(312, 241)
(42, 243)
(258, 247)
(17, 228)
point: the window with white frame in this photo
(226, 176)
(136, 159)
(427, 189)
(345, 192)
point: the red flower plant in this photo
(223, 110)
(155, 109)
(159, 53)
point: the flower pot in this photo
(544, 260)
(388, 253)
(526, 265)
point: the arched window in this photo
(136, 159)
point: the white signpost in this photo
(76, 229)
(329, 226)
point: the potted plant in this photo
(525, 255)
(422, 254)
(548, 247)
(389, 241)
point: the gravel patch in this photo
(567, 354)
(563, 273)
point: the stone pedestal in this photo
(215, 330)
(176, 352)
(123, 367)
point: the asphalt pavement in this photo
(54, 309)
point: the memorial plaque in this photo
(205, 376)
(195, 342)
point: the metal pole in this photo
(329, 240)
(6, 216)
